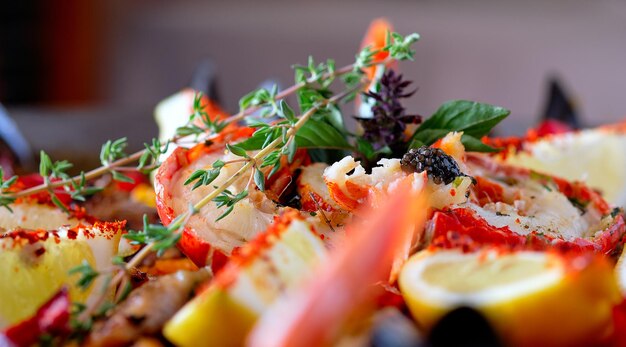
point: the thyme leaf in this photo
(161, 237)
(87, 275)
(228, 200)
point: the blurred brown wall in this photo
(49, 52)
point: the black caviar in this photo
(441, 168)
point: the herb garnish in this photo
(385, 129)
(474, 119)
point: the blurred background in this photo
(74, 75)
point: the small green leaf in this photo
(8, 183)
(473, 144)
(45, 164)
(274, 170)
(113, 150)
(87, 275)
(237, 150)
(255, 98)
(58, 203)
(6, 202)
(256, 141)
(365, 148)
(259, 179)
(118, 176)
(399, 46)
(286, 112)
(254, 123)
(226, 213)
(292, 147)
(319, 134)
(194, 176)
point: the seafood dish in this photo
(279, 225)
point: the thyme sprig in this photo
(87, 275)
(398, 51)
(159, 238)
(162, 237)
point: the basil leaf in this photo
(473, 144)
(334, 117)
(253, 143)
(473, 118)
(429, 136)
(319, 134)
(365, 147)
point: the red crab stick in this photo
(313, 315)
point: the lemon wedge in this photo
(35, 265)
(264, 269)
(530, 298)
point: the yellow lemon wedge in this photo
(35, 264)
(595, 156)
(530, 298)
(265, 268)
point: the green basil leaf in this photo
(416, 143)
(473, 144)
(365, 147)
(319, 134)
(334, 117)
(428, 136)
(473, 118)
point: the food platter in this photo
(278, 225)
